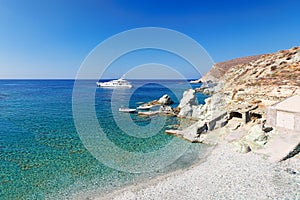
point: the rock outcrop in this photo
(165, 100)
(168, 110)
(187, 104)
(188, 99)
(219, 69)
(269, 79)
(189, 108)
(245, 88)
(254, 138)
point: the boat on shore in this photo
(119, 83)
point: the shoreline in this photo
(143, 182)
(222, 174)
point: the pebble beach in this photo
(223, 174)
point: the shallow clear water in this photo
(41, 154)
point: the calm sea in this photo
(41, 154)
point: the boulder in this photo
(208, 91)
(193, 132)
(188, 104)
(207, 88)
(241, 147)
(188, 99)
(189, 107)
(267, 129)
(165, 100)
(197, 111)
(201, 112)
(256, 137)
(166, 110)
(186, 111)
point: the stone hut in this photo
(285, 114)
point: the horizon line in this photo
(7, 79)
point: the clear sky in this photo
(50, 38)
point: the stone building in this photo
(285, 114)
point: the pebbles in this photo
(226, 174)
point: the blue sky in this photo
(51, 38)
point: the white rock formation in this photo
(188, 99)
(165, 100)
(166, 110)
(188, 104)
(190, 109)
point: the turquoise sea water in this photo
(41, 154)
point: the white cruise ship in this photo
(120, 83)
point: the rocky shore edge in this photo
(236, 110)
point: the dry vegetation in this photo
(267, 77)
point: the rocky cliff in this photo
(255, 80)
(266, 80)
(250, 83)
(239, 99)
(219, 69)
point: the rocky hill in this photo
(219, 69)
(236, 109)
(266, 80)
(253, 82)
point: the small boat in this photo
(149, 113)
(171, 131)
(144, 107)
(119, 83)
(127, 110)
(195, 81)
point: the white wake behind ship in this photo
(119, 83)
